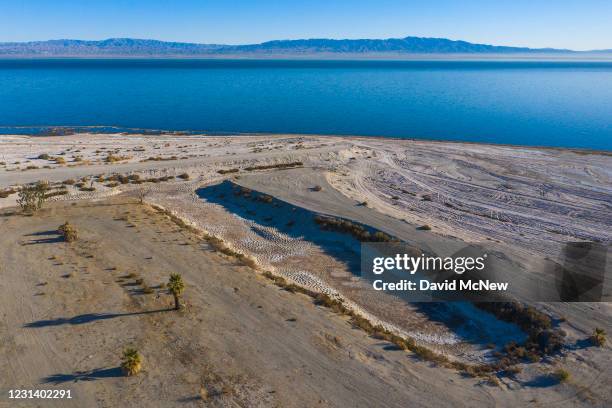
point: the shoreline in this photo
(194, 133)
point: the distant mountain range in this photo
(128, 47)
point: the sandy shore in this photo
(524, 203)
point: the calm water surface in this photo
(529, 103)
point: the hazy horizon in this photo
(570, 24)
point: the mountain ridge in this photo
(149, 47)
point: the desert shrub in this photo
(60, 160)
(598, 337)
(176, 287)
(111, 158)
(548, 341)
(533, 356)
(317, 188)
(159, 158)
(131, 362)
(542, 337)
(335, 305)
(68, 231)
(361, 323)
(493, 380)
(183, 176)
(275, 166)
(146, 289)
(141, 194)
(561, 375)
(265, 198)
(69, 182)
(32, 197)
(278, 280)
(158, 180)
(6, 193)
(112, 185)
(84, 188)
(424, 228)
(43, 156)
(356, 230)
(520, 352)
(380, 236)
(512, 371)
(56, 193)
(222, 171)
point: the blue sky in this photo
(576, 24)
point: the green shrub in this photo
(32, 197)
(561, 375)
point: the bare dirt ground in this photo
(522, 202)
(68, 310)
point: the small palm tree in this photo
(68, 231)
(176, 286)
(599, 337)
(131, 362)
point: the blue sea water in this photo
(566, 104)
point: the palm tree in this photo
(68, 231)
(599, 337)
(131, 362)
(176, 286)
